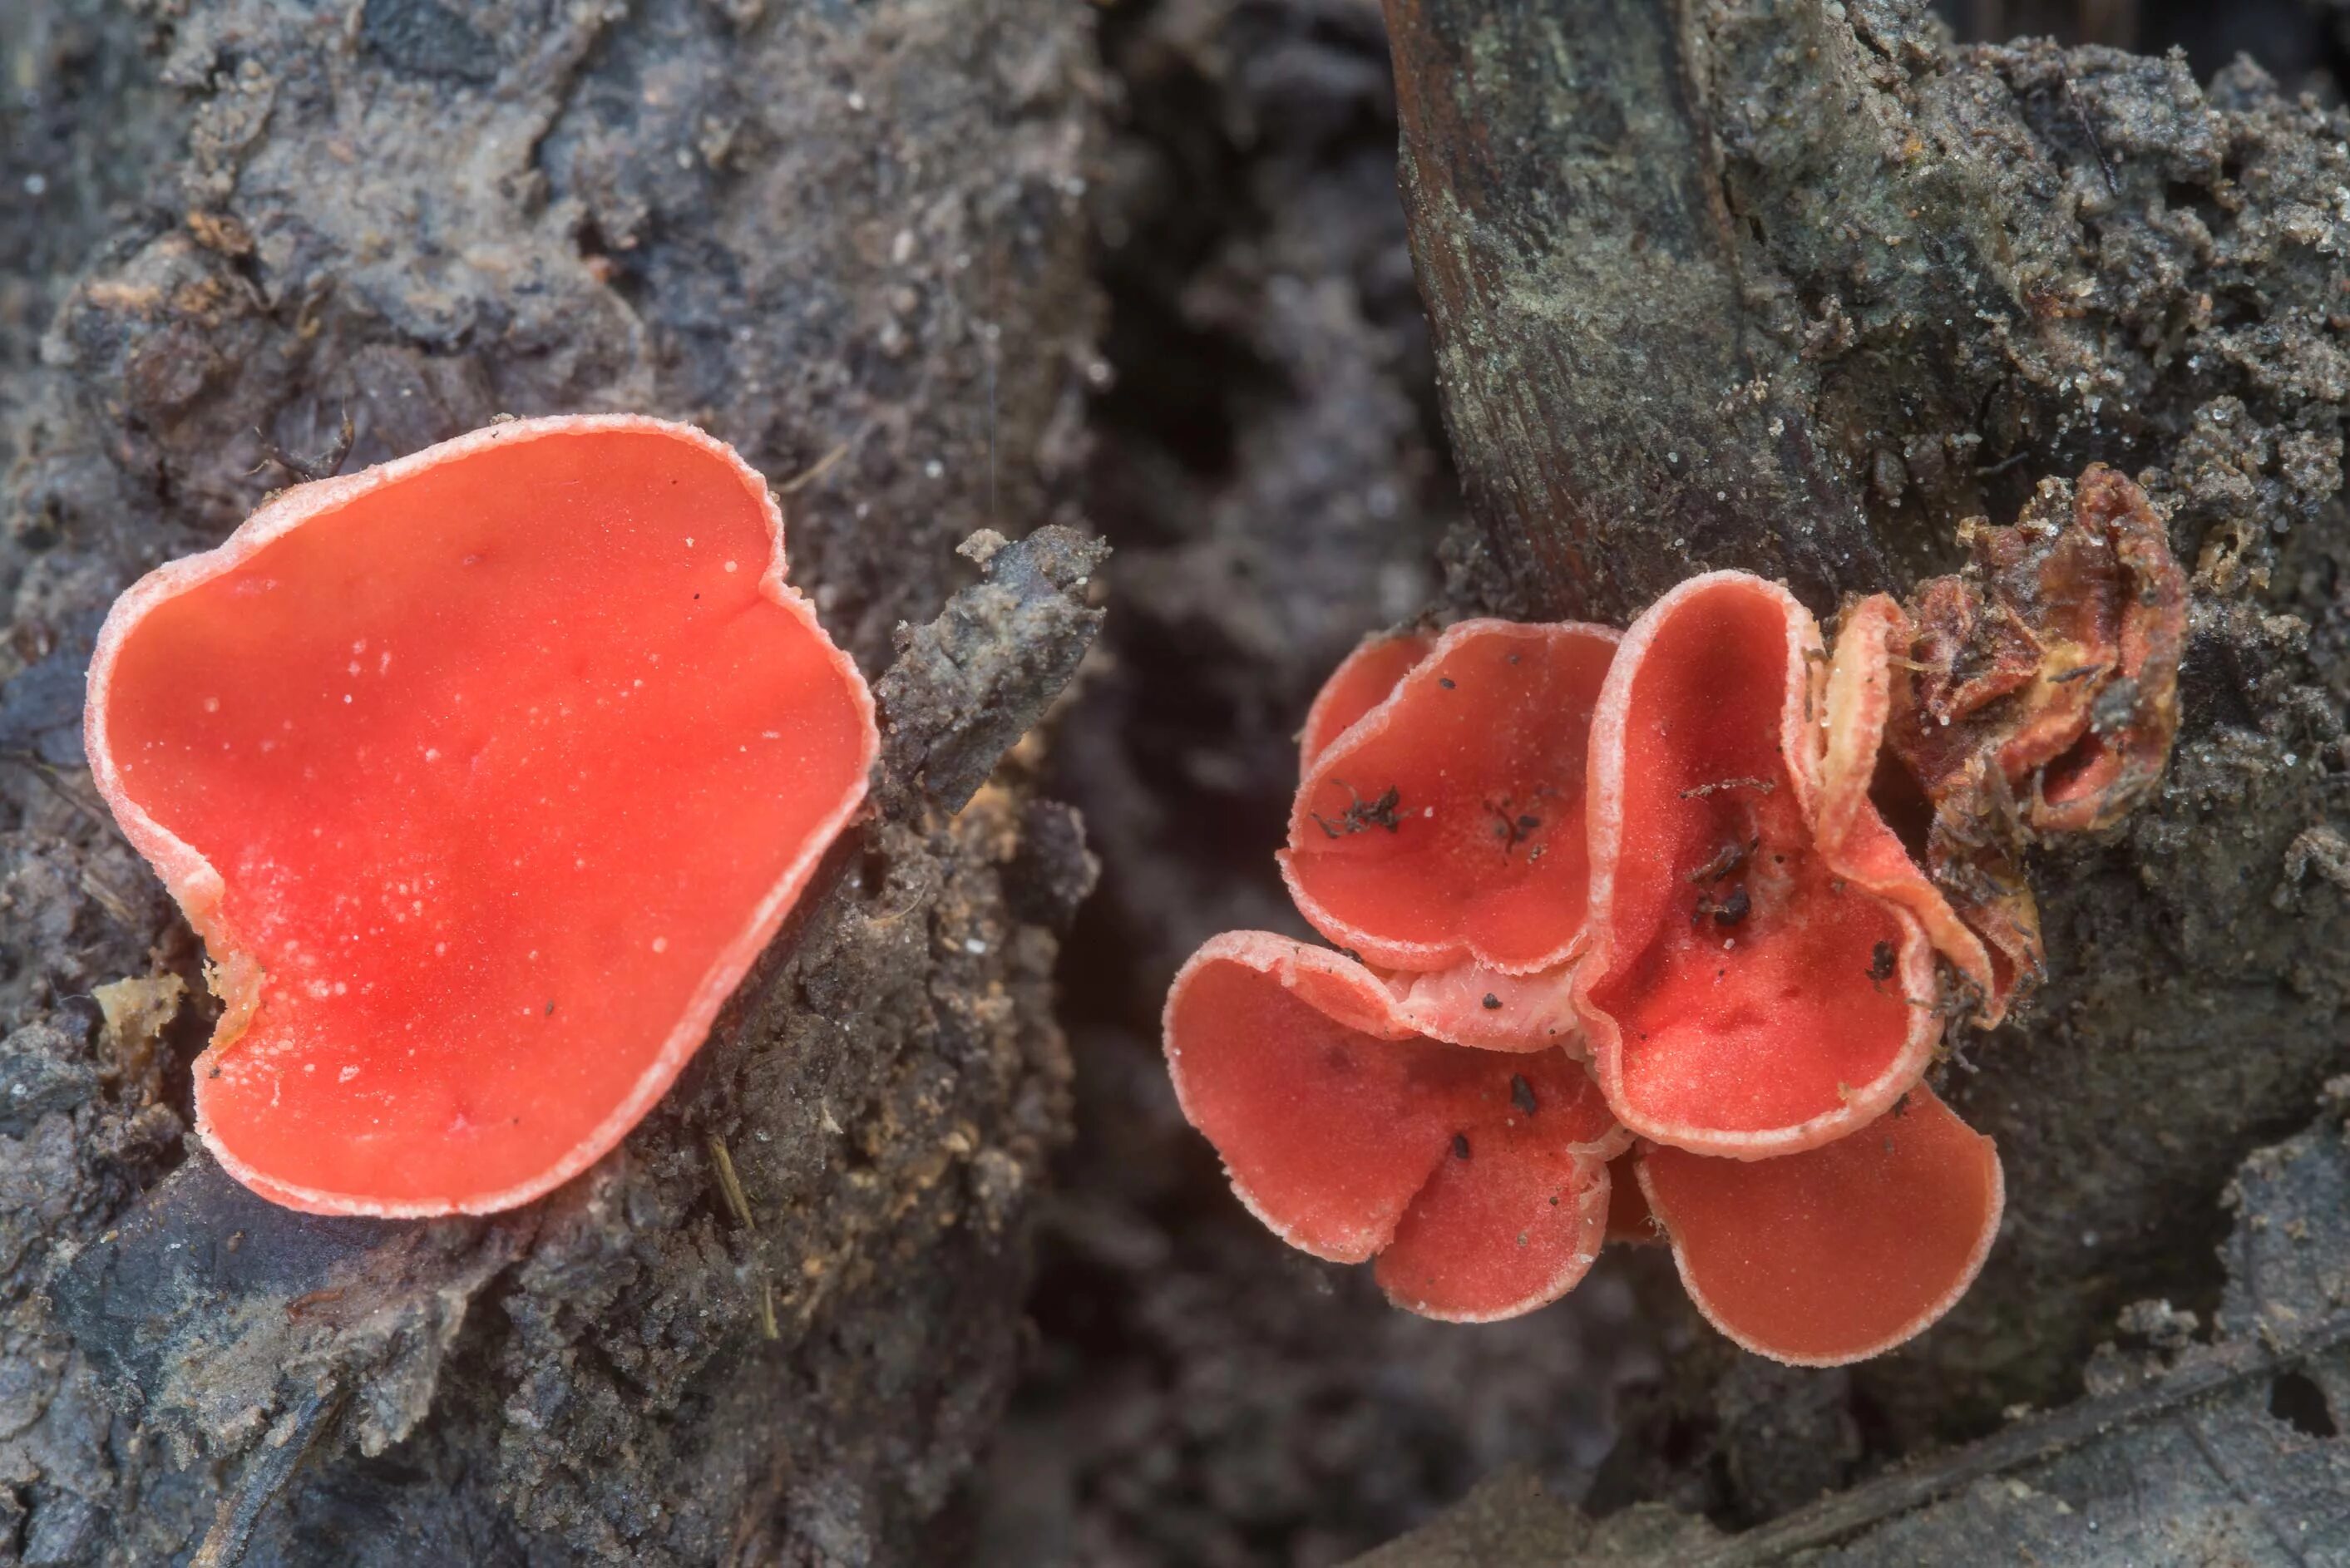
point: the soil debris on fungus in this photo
(1362, 814)
(1715, 786)
(1726, 861)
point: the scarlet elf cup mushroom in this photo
(1477, 1178)
(1742, 996)
(1438, 830)
(1753, 1007)
(1660, 870)
(484, 774)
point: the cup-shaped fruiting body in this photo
(485, 775)
(1479, 1181)
(1741, 995)
(1839, 1253)
(1439, 827)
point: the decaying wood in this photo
(1615, 413)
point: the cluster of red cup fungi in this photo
(1626, 945)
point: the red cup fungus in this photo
(1741, 995)
(1360, 683)
(1839, 1253)
(1690, 860)
(1438, 831)
(1478, 1179)
(484, 774)
(1852, 835)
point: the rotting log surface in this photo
(847, 240)
(1798, 288)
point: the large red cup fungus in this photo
(1438, 830)
(1478, 1179)
(1742, 996)
(485, 775)
(1842, 1252)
